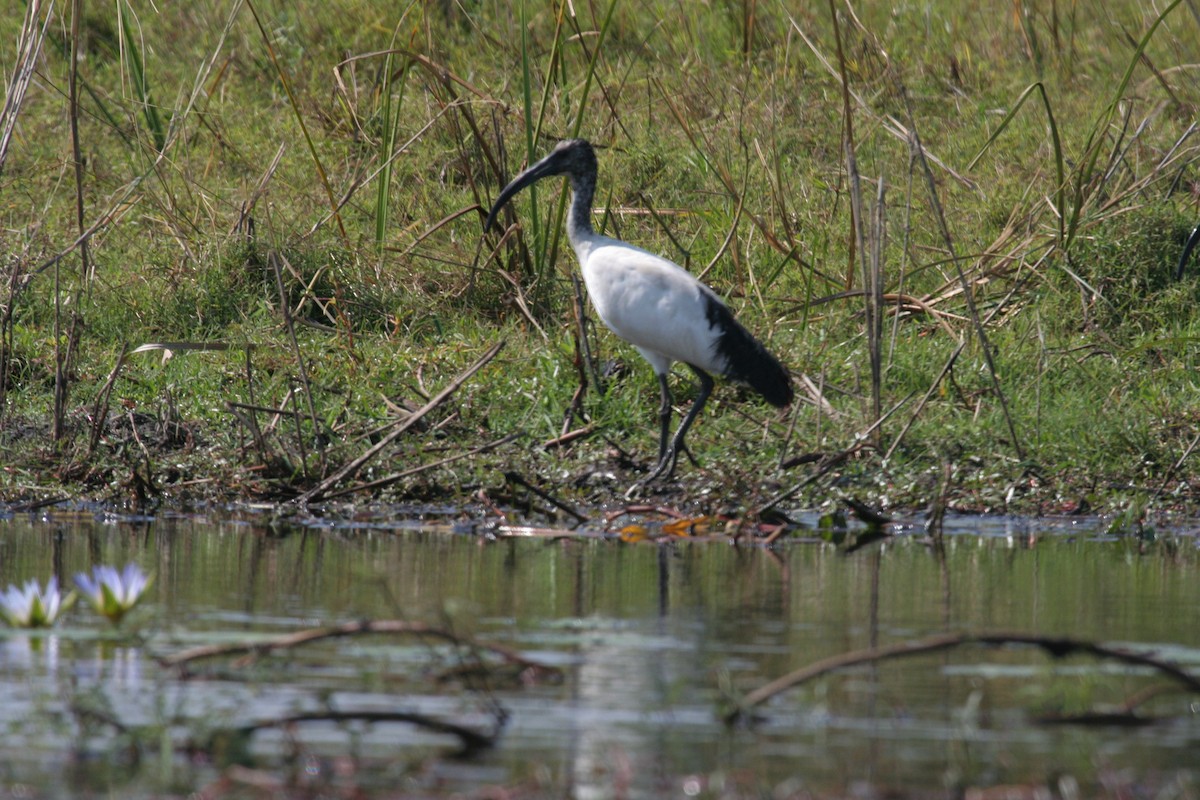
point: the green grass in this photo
(1066, 190)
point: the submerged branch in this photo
(1057, 647)
(253, 649)
(470, 738)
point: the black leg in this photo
(664, 416)
(677, 445)
(669, 454)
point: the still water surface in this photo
(651, 637)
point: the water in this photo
(650, 639)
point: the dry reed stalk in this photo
(273, 258)
(968, 294)
(295, 105)
(100, 408)
(29, 47)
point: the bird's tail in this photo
(747, 361)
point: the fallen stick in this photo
(569, 436)
(515, 477)
(412, 419)
(388, 480)
(829, 463)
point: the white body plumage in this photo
(650, 302)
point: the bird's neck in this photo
(579, 219)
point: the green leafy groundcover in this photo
(282, 206)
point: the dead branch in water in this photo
(1055, 646)
(471, 739)
(253, 649)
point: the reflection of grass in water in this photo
(644, 633)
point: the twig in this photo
(928, 394)
(873, 285)
(1148, 693)
(172, 347)
(1162, 487)
(100, 409)
(641, 508)
(412, 419)
(856, 213)
(336, 208)
(1057, 647)
(121, 203)
(34, 505)
(294, 103)
(902, 302)
(29, 46)
(244, 216)
(399, 476)
(935, 517)
(585, 362)
(405, 252)
(888, 122)
(830, 462)
(817, 395)
(514, 477)
(685, 255)
(696, 139)
(569, 436)
(279, 412)
(733, 229)
(64, 361)
(1145, 59)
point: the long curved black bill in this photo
(1187, 251)
(550, 165)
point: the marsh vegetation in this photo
(243, 243)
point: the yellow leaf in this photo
(633, 533)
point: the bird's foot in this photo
(666, 464)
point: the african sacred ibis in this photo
(654, 304)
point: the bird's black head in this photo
(570, 157)
(574, 158)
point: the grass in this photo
(1036, 345)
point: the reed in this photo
(139, 81)
(1085, 183)
(389, 129)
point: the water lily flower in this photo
(30, 606)
(113, 593)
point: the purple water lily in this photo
(113, 593)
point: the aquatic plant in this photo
(113, 593)
(30, 606)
